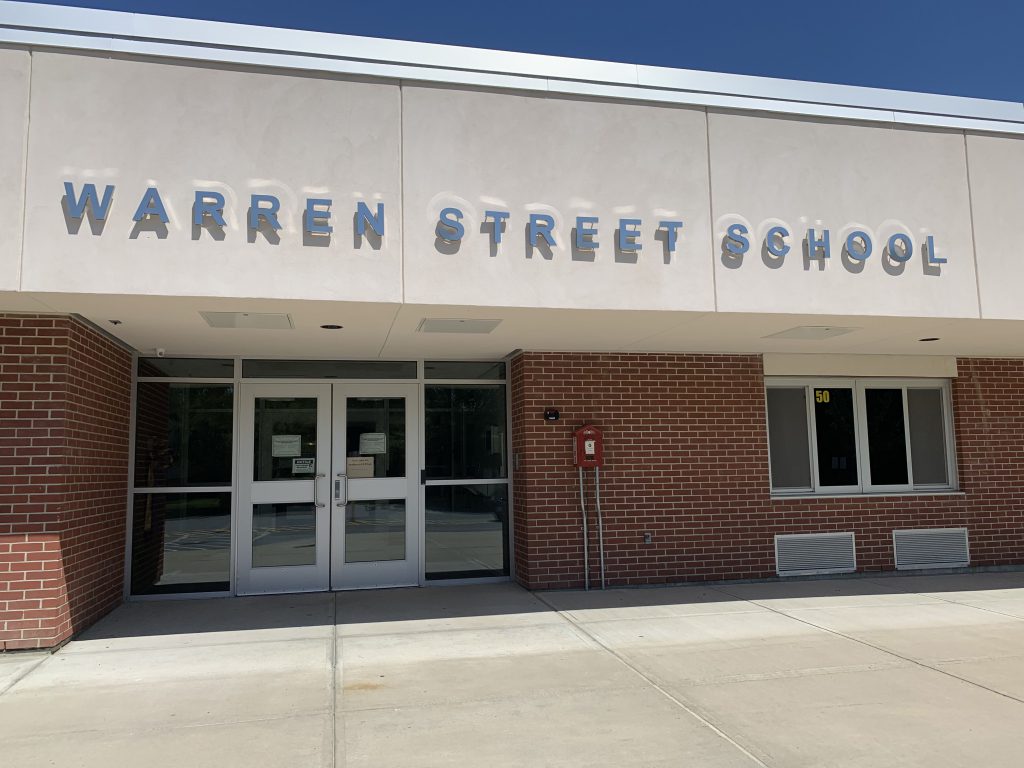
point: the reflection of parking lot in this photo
(196, 548)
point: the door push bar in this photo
(341, 490)
(316, 486)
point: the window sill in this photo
(870, 495)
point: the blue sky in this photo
(961, 47)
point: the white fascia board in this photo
(959, 123)
(710, 100)
(828, 93)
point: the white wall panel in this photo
(565, 158)
(14, 88)
(805, 173)
(180, 128)
(997, 192)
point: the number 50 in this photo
(821, 396)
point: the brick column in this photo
(65, 394)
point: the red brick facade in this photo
(687, 461)
(64, 414)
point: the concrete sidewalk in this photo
(893, 671)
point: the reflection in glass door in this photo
(374, 482)
(283, 522)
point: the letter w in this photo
(88, 201)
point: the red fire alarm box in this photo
(588, 447)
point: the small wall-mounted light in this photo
(114, 322)
(551, 414)
(331, 327)
(930, 338)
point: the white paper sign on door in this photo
(373, 442)
(284, 446)
(359, 466)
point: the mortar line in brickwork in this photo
(723, 589)
(651, 682)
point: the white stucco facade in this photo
(632, 159)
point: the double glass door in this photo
(328, 487)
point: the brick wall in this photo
(64, 408)
(687, 461)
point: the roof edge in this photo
(33, 25)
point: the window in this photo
(181, 510)
(467, 499)
(836, 436)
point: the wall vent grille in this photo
(812, 553)
(931, 548)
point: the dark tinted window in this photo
(181, 542)
(887, 437)
(927, 436)
(836, 435)
(788, 438)
(183, 434)
(463, 370)
(328, 369)
(466, 531)
(186, 367)
(465, 432)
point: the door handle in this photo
(341, 490)
(316, 500)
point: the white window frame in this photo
(859, 387)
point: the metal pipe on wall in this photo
(600, 523)
(586, 537)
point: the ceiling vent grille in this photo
(931, 548)
(814, 553)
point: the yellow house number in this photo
(821, 396)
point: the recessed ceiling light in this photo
(930, 338)
(331, 327)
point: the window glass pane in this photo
(186, 367)
(181, 542)
(374, 530)
(788, 438)
(836, 436)
(927, 437)
(328, 369)
(465, 432)
(283, 534)
(183, 434)
(375, 437)
(284, 447)
(466, 531)
(463, 370)
(887, 436)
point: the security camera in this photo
(160, 352)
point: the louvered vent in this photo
(806, 554)
(931, 548)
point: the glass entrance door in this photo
(375, 486)
(328, 487)
(284, 515)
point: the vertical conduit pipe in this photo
(600, 523)
(586, 537)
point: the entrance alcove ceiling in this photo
(390, 331)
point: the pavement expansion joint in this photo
(689, 709)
